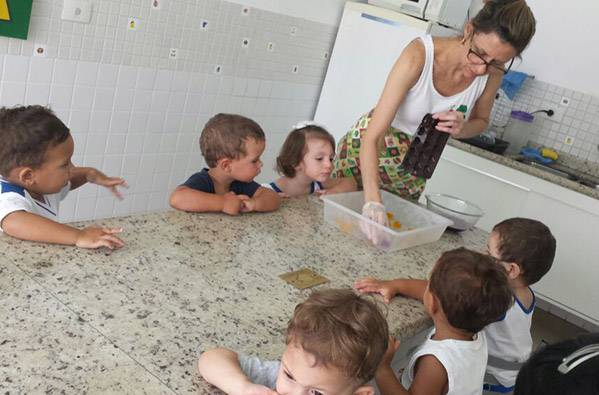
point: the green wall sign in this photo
(14, 18)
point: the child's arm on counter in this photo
(264, 200)
(390, 288)
(187, 199)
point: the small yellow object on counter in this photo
(549, 153)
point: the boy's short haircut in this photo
(341, 329)
(26, 132)
(472, 289)
(294, 147)
(224, 136)
(539, 375)
(529, 243)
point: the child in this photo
(335, 341)
(306, 163)
(525, 248)
(466, 292)
(37, 173)
(569, 367)
(232, 146)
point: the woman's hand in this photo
(451, 122)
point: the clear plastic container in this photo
(418, 225)
(518, 130)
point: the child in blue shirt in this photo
(231, 145)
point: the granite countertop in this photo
(136, 319)
(511, 162)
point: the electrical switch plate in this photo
(173, 53)
(218, 69)
(569, 140)
(293, 30)
(295, 69)
(77, 11)
(245, 42)
(565, 101)
(270, 47)
(326, 55)
(204, 25)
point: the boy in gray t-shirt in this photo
(335, 341)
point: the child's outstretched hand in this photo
(97, 177)
(256, 389)
(372, 285)
(93, 237)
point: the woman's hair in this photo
(511, 20)
(294, 147)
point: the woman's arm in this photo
(401, 79)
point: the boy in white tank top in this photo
(525, 248)
(466, 292)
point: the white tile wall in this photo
(136, 113)
(579, 119)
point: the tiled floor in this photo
(552, 329)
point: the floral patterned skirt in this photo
(393, 177)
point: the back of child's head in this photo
(540, 374)
(224, 136)
(25, 134)
(472, 289)
(294, 148)
(341, 329)
(527, 242)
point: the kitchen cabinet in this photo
(503, 192)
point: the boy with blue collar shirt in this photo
(231, 145)
(37, 173)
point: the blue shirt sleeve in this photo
(200, 182)
(244, 188)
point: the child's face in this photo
(318, 160)
(246, 168)
(55, 171)
(299, 375)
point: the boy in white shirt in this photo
(466, 292)
(36, 173)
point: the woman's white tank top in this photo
(424, 98)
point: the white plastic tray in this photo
(418, 225)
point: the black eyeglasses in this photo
(475, 58)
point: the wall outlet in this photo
(218, 69)
(204, 24)
(569, 140)
(270, 47)
(293, 30)
(565, 101)
(173, 53)
(39, 50)
(245, 42)
(132, 23)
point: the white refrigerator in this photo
(369, 41)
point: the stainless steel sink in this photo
(563, 171)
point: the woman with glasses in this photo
(433, 75)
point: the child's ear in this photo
(364, 390)
(224, 164)
(25, 176)
(513, 270)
